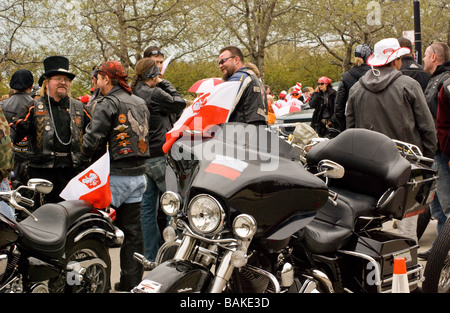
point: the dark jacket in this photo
(17, 105)
(324, 104)
(348, 79)
(441, 74)
(392, 104)
(120, 120)
(38, 123)
(414, 70)
(443, 119)
(251, 107)
(165, 104)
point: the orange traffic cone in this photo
(400, 278)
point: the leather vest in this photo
(41, 145)
(130, 127)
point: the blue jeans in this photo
(5, 209)
(440, 206)
(156, 185)
(126, 189)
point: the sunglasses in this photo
(156, 52)
(321, 84)
(221, 61)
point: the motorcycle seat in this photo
(371, 160)
(47, 236)
(332, 227)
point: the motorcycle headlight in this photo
(170, 203)
(205, 214)
(244, 226)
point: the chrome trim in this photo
(323, 278)
(270, 276)
(95, 230)
(182, 224)
(371, 260)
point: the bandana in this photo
(114, 70)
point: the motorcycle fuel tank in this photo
(249, 168)
(8, 231)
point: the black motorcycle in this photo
(249, 217)
(60, 247)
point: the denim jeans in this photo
(126, 189)
(5, 209)
(156, 185)
(440, 206)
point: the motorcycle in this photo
(247, 216)
(60, 247)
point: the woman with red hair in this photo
(323, 100)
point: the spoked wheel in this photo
(91, 269)
(437, 268)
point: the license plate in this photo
(148, 286)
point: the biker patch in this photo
(227, 167)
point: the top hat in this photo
(55, 65)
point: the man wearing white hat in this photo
(386, 101)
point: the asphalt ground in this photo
(425, 243)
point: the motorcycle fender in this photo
(92, 225)
(178, 276)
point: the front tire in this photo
(437, 269)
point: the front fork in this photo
(223, 271)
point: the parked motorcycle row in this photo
(250, 213)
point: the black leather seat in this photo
(371, 160)
(332, 227)
(48, 235)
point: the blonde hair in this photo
(359, 61)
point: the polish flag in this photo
(211, 108)
(91, 185)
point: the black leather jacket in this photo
(120, 120)
(15, 106)
(165, 104)
(45, 150)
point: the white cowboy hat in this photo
(386, 51)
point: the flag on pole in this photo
(211, 108)
(91, 185)
(166, 64)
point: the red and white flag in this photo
(91, 185)
(211, 108)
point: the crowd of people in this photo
(54, 136)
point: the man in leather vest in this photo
(120, 122)
(251, 106)
(54, 125)
(21, 85)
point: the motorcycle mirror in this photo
(41, 185)
(330, 169)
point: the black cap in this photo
(21, 80)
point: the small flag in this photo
(91, 185)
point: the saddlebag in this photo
(378, 249)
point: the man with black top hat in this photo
(21, 86)
(54, 126)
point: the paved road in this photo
(425, 243)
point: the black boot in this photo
(129, 221)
